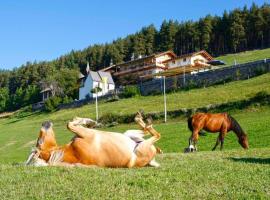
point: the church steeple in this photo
(111, 62)
(87, 68)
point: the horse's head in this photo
(46, 139)
(45, 144)
(243, 141)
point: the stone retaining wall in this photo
(208, 78)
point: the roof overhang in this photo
(177, 71)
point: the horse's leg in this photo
(145, 153)
(217, 143)
(77, 128)
(194, 139)
(146, 150)
(222, 140)
(139, 120)
(89, 123)
(222, 135)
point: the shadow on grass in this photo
(252, 160)
(22, 116)
(14, 121)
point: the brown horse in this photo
(220, 122)
(91, 147)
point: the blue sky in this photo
(45, 29)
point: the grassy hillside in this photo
(246, 56)
(203, 175)
(195, 98)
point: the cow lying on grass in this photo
(91, 147)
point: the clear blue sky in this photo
(45, 29)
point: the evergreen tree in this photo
(149, 34)
(205, 29)
(166, 36)
(237, 32)
(4, 96)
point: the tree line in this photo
(238, 30)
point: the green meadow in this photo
(246, 56)
(234, 174)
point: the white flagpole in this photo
(165, 102)
(96, 106)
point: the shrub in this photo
(52, 103)
(130, 91)
(108, 118)
(67, 99)
(113, 98)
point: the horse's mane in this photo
(55, 158)
(235, 126)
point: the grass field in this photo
(246, 56)
(231, 174)
(234, 174)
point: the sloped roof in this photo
(165, 52)
(107, 75)
(46, 89)
(142, 58)
(95, 76)
(202, 52)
